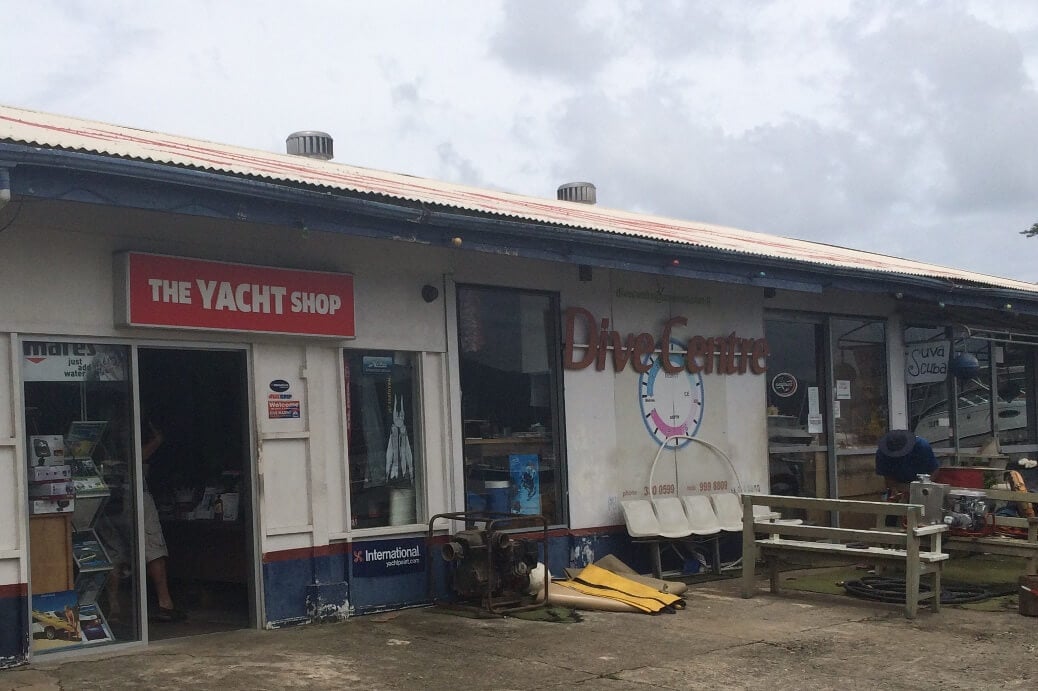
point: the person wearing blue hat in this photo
(901, 457)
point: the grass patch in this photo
(998, 574)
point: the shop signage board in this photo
(927, 363)
(53, 361)
(177, 292)
(388, 557)
(722, 355)
(784, 384)
(282, 404)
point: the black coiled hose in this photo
(893, 590)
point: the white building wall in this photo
(58, 283)
(610, 448)
(61, 255)
(13, 555)
(609, 451)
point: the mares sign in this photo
(176, 292)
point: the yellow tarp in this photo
(595, 580)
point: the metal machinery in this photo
(488, 568)
(968, 511)
(964, 511)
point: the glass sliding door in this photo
(858, 356)
(84, 577)
(798, 444)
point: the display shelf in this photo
(92, 493)
(92, 566)
(88, 552)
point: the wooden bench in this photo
(1026, 547)
(774, 542)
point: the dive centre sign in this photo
(731, 354)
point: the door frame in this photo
(254, 583)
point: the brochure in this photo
(89, 553)
(83, 436)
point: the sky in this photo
(904, 127)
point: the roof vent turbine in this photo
(582, 192)
(311, 144)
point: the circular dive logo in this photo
(671, 404)
(784, 385)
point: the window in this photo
(941, 368)
(82, 523)
(927, 357)
(972, 379)
(509, 364)
(859, 361)
(382, 426)
(1015, 407)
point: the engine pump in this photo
(491, 563)
(488, 563)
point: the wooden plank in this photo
(824, 532)
(844, 550)
(1009, 548)
(1003, 545)
(912, 568)
(749, 553)
(843, 505)
(1015, 521)
(1001, 494)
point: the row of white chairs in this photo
(693, 518)
(695, 514)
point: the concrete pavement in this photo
(796, 640)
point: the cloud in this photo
(904, 127)
(925, 145)
(561, 40)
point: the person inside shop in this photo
(901, 457)
(155, 552)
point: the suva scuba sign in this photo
(731, 354)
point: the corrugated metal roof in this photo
(60, 132)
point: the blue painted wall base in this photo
(387, 574)
(14, 631)
(328, 602)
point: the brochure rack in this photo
(71, 618)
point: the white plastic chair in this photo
(640, 518)
(671, 515)
(701, 516)
(644, 526)
(728, 508)
(704, 524)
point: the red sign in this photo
(182, 293)
(732, 353)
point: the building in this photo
(322, 357)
